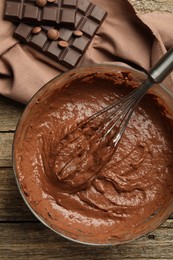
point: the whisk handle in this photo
(162, 68)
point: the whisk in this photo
(89, 147)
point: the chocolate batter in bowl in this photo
(133, 193)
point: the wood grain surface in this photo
(145, 6)
(22, 236)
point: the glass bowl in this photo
(64, 223)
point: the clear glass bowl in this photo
(165, 97)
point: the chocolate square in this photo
(31, 13)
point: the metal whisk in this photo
(87, 148)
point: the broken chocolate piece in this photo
(89, 19)
(61, 13)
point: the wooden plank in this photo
(6, 140)
(37, 242)
(150, 5)
(10, 113)
(12, 206)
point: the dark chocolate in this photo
(89, 18)
(61, 13)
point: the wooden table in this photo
(23, 237)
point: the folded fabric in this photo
(125, 36)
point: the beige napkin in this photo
(139, 41)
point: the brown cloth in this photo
(125, 36)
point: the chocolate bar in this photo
(71, 45)
(60, 13)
